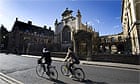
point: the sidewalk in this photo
(107, 64)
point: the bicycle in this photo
(53, 74)
(78, 72)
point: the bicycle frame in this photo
(53, 74)
(78, 72)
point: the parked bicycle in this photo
(52, 74)
(78, 72)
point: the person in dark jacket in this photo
(47, 59)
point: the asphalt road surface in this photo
(24, 69)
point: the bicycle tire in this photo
(53, 73)
(64, 70)
(39, 70)
(79, 74)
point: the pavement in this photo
(4, 79)
(107, 64)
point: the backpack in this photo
(75, 59)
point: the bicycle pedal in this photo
(66, 74)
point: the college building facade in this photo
(71, 32)
(26, 38)
(113, 44)
(131, 24)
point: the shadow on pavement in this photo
(58, 82)
(87, 81)
(55, 81)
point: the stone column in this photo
(75, 46)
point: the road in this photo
(23, 69)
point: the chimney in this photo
(30, 22)
(50, 28)
(16, 19)
(45, 27)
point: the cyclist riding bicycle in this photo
(72, 59)
(47, 58)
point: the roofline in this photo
(39, 27)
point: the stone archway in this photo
(83, 44)
(120, 48)
(113, 49)
(82, 47)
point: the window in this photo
(66, 35)
(106, 40)
(138, 10)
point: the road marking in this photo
(9, 80)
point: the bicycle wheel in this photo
(53, 73)
(79, 74)
(64, 70)
(39, 70)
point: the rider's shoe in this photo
(71, 76)
(47, 73)
(65, 74)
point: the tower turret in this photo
(78, 20)
(78, 13)
(66, 14)
(56, 22)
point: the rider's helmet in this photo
(45, 50)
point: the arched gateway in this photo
(83, 44)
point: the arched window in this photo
(66, 35)
(119, 38)
(112, 39)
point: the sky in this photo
(103, 15)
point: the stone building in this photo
(131, 24)
(71, 32)
(29, 39)
(3, 38)
(113, 44)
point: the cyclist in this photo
(72, 59)
(47, 58)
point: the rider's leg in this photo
(70, 68)
(67, 64)
(48, 66)
(44, 68)
(71, 71)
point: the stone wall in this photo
(128, 59)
